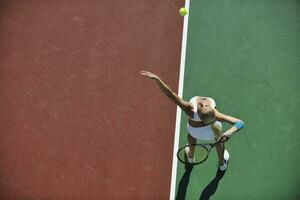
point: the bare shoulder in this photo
(187, 107)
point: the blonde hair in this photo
(207, 114)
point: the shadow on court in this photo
(212, 187)
(184, 182)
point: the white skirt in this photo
(203, 133)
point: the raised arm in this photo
(185, 106)
(237, 124)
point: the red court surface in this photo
(77, 119)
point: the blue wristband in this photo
(239, 125)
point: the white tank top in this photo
(195, 107)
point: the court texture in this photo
(78, 121)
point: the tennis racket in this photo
(201, 152)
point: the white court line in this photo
(180, 93)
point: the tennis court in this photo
(78, 122)
(245, 54)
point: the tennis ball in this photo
(183, 11)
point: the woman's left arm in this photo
(237, 124)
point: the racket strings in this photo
(200, 154)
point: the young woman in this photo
(204, 121)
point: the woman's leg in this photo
(217, 129)
(191, 140)
(220, 151)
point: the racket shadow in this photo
(184, 182)
(212, 187)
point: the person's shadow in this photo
(184, 182)
(211, 188)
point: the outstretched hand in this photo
(149, 74)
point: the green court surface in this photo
(246, 55)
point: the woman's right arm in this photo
(236, 123)
(185, 106)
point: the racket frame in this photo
(206, 146)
